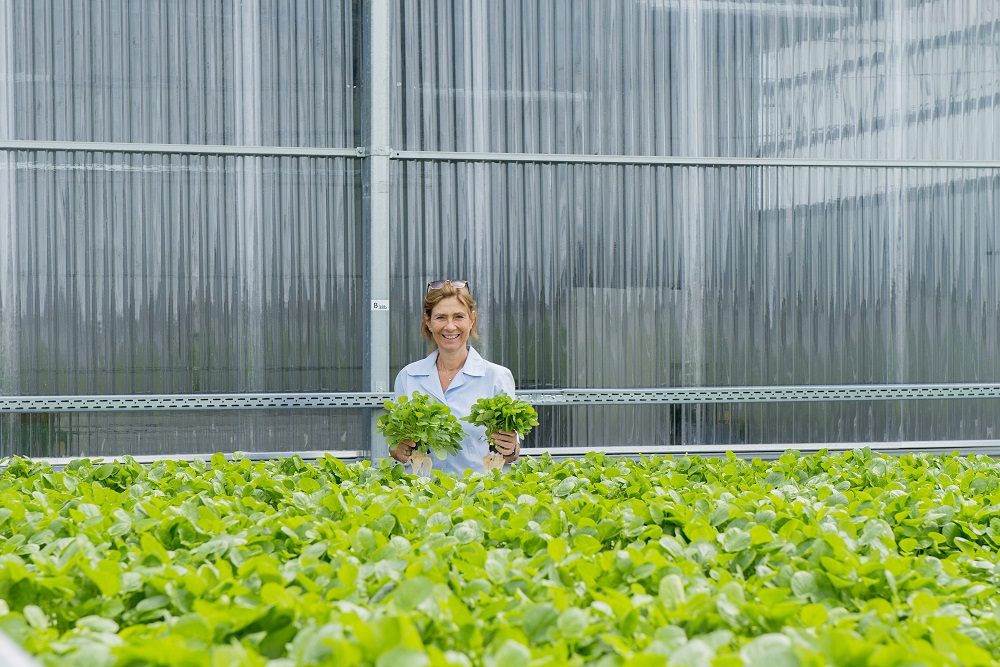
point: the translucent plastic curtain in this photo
(151, 273)
(598, 276)
(147, 274)
(734, 78)
(186, 72)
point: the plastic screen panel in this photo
(265, 72)
(175, 274)
(848, 79)
(592, 275)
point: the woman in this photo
(456, 375)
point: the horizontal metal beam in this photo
(349, 455)
(684, 395)
(756, 451)
(761, 394)
(685, 161)
(470, 156)
(770, 451)
(259, 401)
(176, 149)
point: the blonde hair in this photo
(436, 296)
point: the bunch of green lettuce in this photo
(503, 413)
(427, 423)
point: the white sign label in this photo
(380, 304)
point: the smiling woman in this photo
(456, 375)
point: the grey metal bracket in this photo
(686, 161)
(685, 395)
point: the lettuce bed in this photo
(857, 559)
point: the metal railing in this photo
(680, 395)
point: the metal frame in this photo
(379, 148)
(376, 155)
(767, 451)
(684, 395)
(377, 197)
(177, 149)
(349, 455)
(684, 161)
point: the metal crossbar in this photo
(681, 395)
(765, 451)
(685, 161)
(474, 156)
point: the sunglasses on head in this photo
(438, 284)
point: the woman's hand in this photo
(506, 443)
(403, 452)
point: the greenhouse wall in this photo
(642, 194)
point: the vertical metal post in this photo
(377, 201)
(249, 202)
(691, 206)
(897, 349)
(10, 353)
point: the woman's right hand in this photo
(403, 451)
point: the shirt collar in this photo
(474, 365)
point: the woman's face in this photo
(450, 324)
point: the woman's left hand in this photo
(506, 443)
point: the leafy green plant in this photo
(426, 422)
(501, 413)
(848, 559)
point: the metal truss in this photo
(765, 451)
(682, 395)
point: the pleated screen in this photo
(605, 276)
(149, 273)
(245, 72)
(728, 78)
(623, 276)
(180, 274)
(188, 273)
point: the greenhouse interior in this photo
(747, 249)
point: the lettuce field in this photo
(853, 559)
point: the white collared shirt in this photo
(477, 379)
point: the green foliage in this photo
(503, 413)
(855, 559)
(423, 420)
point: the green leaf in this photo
(771, 650)
(573, 623)
(672, 590)
(403, 657)
(512, 654)
(734, 540)
(152, 603)
(107, 576)
(587, 545)
(695, 653)
(557, 549)
(467, 532)
(35, 617)
(538, 620)
(97, 624)
(803, 583)
(412, 592)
